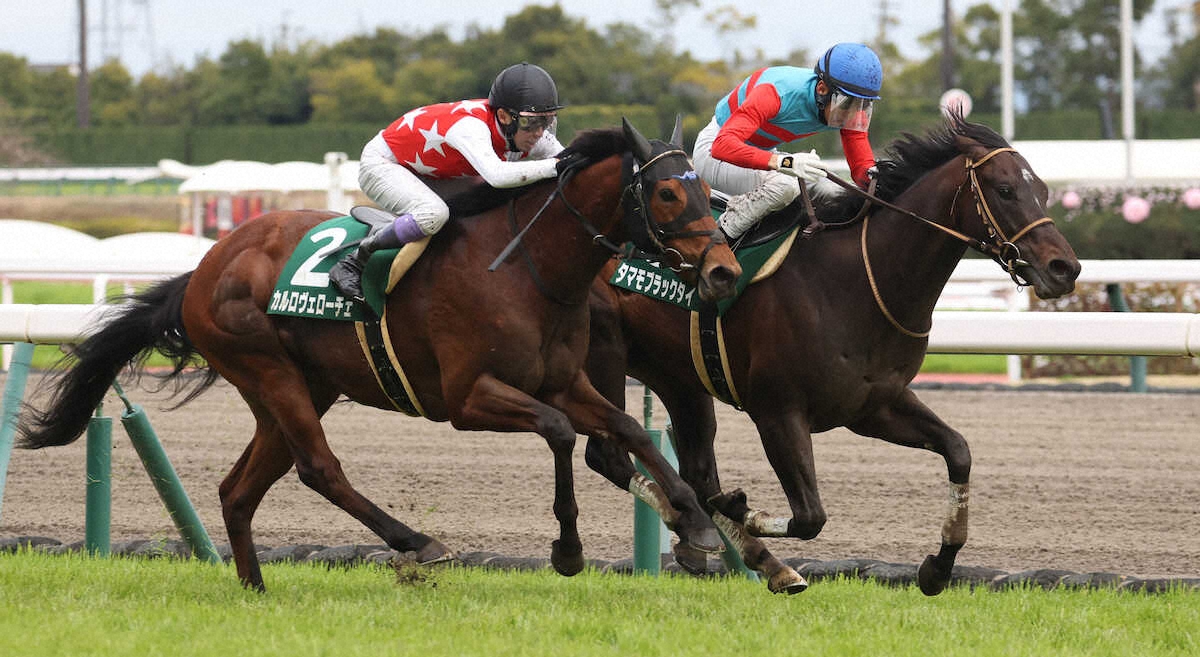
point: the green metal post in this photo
(1137, 364)
(647, 526)
(97, 535)
(14, 392)
(170, 490)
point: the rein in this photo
(658, 234)
(1001, 248)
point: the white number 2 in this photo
(305, 276)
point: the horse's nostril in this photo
(1064, 269)
(723, 276)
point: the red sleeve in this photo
(859, 155)
(761, 105)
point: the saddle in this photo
(304, 290)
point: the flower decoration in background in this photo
(1135, 209)
(1071, 200)
(1191, 198)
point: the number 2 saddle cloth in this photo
(304, 290)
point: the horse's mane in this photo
(908, 159)
(594, 145)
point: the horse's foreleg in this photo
(492, 405)
(788, 444)
(910, 423)
(593, 415)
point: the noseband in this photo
(637, 216)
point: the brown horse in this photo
(836, 335)
(495, 351)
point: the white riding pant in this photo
(753, 193)
(396, 189)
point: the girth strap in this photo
(377, 346)
(709, 357)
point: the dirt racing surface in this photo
(1081, 481)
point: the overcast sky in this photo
(161, 32)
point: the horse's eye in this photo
(1005, 192)
(667, 195)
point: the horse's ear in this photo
(677, 133)
(969, 147)
(638, 144)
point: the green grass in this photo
(965, 363)
(74, 605)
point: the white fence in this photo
(1121, 334)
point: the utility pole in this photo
(947, 46)
(82, 103)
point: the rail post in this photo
(1137, 364)
(97, 525)
(166, 482)
(648, 528)
(14, 392)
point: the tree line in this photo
(1067, 58)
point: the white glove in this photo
(801, 165)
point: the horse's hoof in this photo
(566, 562)
(932, 579)
(691, 560)
(706, 540)
(786, 581)
(434, 553)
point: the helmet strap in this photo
(509, 130)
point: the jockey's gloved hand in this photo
(873, 172)
(806, 166)
(569, 160)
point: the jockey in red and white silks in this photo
(508, 140)
(448, 140)
(736, 152)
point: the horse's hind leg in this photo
(910, 423)
(264, 461)
(492, 405)
(277, 390)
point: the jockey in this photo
(508, 140)
(775, 105)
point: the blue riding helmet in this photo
(853, 69)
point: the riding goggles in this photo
(848, 112)
(532, 122)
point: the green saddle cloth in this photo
(648, 279)
(303, 288)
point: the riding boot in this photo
(346, 275)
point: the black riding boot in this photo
(346, 275)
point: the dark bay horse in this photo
(495, 351)
(836, 335)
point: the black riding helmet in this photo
(521, 88)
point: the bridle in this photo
(998, 246)
(650, 246)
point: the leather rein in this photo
(998, 247)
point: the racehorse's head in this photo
(1009, 199)
(667, 214)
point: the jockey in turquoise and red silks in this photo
(736, 152)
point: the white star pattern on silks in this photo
(433, 139)
(420, 167)
(469, 105)
(407, 119)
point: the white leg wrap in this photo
(649, 492)
(733, 532)
(954, 530)
(759, 523)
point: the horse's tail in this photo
(149, 321)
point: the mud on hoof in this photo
(931, 578)
(787, 581)
(566, 561)
(434, 553)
